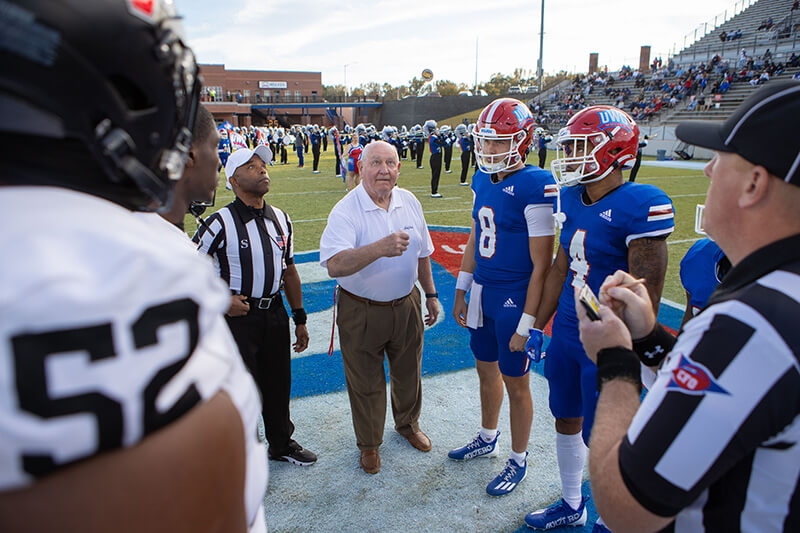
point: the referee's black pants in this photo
(315, 152)
(436, 171)
(263, 338)
(465, 156)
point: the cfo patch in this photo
(693, 378)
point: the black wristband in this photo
(653, 348)
(431, 295)
(299, 316)
(618, 363)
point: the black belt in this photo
(263, 303)
(391, 303)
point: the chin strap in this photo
(559, 216)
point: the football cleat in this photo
(557, 515)
(507, 480)
(476, 448)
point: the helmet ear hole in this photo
(130, 93)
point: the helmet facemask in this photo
(502, 161)
(572, 165)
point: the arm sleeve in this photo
(340, 234)
(207, 242)
(540, 220)
(727, 389)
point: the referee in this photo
(715, 446)
(251, 243)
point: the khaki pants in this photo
(366, 332)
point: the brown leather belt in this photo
(390, 303)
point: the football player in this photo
(504, 267)
(702, 269)
(609, 224)
(124, 405)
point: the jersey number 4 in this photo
(35, 353)
(578, 263)
(487, 242)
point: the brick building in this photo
(245, 97)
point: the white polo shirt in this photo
(356, 221)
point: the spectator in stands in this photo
(723, 36)
(796, 5)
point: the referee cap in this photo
(242, 156)
(763, 130)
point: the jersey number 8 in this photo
(487, 242)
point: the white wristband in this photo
(525, 324)
(464, 281)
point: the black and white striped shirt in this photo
(717, 439)
(250, 247)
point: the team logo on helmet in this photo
(693, 378)
(523, 115)
(611, 117)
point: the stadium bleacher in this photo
(690, 85)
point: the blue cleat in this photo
(511, 476)
(557, 515)
(477, 448)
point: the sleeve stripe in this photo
(655, 233)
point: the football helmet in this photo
(614, 139)
(113, 77)
(429, 128)
(505, 119)
(461, 130)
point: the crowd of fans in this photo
(670, 85)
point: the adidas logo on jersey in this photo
(606, 215)
(509, 190)
(510, 303)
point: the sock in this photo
(488, 435)
(571, 454)
(518, 458)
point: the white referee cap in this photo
(242, 156)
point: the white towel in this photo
(474, 308)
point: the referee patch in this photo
(693, 378)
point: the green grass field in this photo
(308, 198)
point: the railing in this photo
(751, 45)
(704, 28)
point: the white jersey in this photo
(112, 327)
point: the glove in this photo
(533, 348)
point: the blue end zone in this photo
(446, 344)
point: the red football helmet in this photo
(505, 119)
(614, 139)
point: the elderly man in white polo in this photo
(377, 245)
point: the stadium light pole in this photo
(541, 52)
(345, 76)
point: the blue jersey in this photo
(315, 137)
(224, 146)
(466, 144)
(596, 237)
(435, 144)
(502, 253)
(699, 272)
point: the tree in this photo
(333, 93)
(447, 88)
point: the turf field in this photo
(308, 198)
